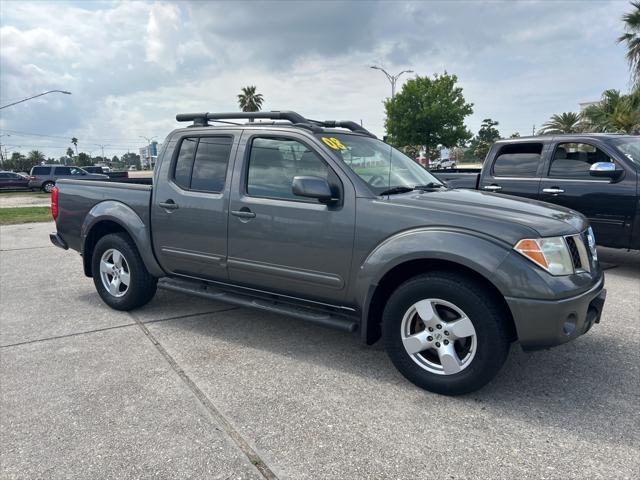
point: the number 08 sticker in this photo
(334, 143)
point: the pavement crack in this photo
(75, 334)
(25, 248)
(217, 416)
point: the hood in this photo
(496, 214)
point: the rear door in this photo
(608, 204)
(190, 204)
(282, 243)
(516, 169)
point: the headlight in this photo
(550, 253)
(591, 240)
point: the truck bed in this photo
(459, 178)
(78, 198)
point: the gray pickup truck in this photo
(323, 222)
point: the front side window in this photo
(518, 160)
(380, 165)
(573, 160)
(76, 171)
(273, 162)
(202, 163)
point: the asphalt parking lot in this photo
(188, 388)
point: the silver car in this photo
(44, 177)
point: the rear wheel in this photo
(445, 333)
(47, 186)
(119, 274)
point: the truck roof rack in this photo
(297, 120)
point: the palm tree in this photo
(615, 113)
(74, 140)
(249, 100)
(36, 157)
(567, 122)
(631, 38)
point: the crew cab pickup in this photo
(323, 222)
(594, 174)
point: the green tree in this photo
(115, 159)
(515, 135)
(428, 111)
(249, 100)
(74, 140)
(567, 122)
(482, 142)
(36, 157)
(615, 113)
(70, 152)
(131, 159)
(631, 38)
(83, 160)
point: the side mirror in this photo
(312, 187)
(605, 169)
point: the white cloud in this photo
(162, 38)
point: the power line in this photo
(90, 140)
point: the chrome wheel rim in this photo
(438, 336)
(115, 273)
(48, 187)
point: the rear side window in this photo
(40, 170)
(63, 171)
(518, 160)
(202, 163)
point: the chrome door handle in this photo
(492, 188)
(553, 191)
(169, 205)
(243, 213)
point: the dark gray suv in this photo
(44, 177)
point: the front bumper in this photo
(544, 324)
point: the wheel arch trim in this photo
(125, 217)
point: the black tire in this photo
(142, 285)
(47, 187)
(491, 332)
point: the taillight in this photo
(54, 203)
(32, 177)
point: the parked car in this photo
(13, 181)
(95, 169)
(323, 222)
(44, 177)
(122, 175)
(594, 174)
(444, 164)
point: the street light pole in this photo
(392, 78)
(148, 148)
(35, 96)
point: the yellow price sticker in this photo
(334, 143)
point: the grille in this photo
(575, 254)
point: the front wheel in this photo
(445, 333)
(119, 274)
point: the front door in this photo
(282, 243)
(190, 205)
(515, 171)
(608, 204)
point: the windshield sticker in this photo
(334, 143)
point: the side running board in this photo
(201, 289)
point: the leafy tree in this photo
(567, 122)
(131, 159)
(428, 111)
(249, 100)
(515, 135)
(631, 38)
(70, 152)
(83, 160)
(115, 159)
(487, 134)
(36, 157)
(74, 140)
(615, 113)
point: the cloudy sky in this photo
(131, 66)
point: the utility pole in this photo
(392, 78)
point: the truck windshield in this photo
(384, 168)
(630, 148)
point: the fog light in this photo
(570, 325)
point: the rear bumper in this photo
(58, 241)
(544, 324)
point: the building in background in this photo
(149, 154)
